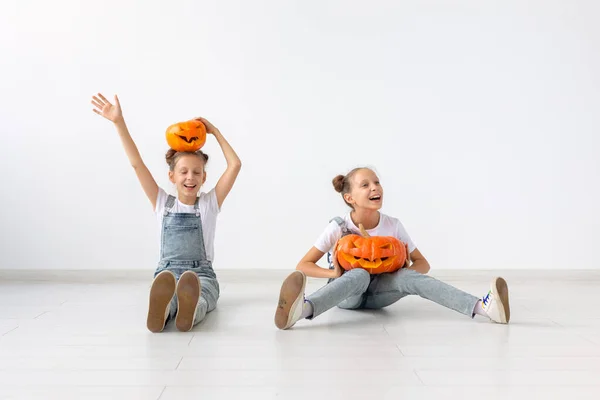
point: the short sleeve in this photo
(161, 200)
(212, 205)
(403, 235)
(329, 237)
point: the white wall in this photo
(481, 118)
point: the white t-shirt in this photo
(209, 209)
(388, 226)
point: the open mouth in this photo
(367, 263)
(190, 140)
(376, 197)
(189, 186)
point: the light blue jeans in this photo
(357, 289)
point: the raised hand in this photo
(104, 108)
(210, 128)
(226, 181)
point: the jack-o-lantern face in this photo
(376, 254)
(186, 136)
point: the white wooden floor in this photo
(89, 341)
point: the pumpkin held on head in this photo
(376, 254)
(188, 136)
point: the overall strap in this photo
(345, 231)
(196, 207)
(169, 203)
(342, 225)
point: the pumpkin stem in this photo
(363, 231)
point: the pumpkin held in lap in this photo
(376, 254)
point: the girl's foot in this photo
(161, 294)
(495, 303)
(291, 300)
(188, 294)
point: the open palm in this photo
(106, 109)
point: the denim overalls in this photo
(182, 249)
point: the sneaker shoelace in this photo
(486, 299)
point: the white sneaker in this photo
(495, 303)
(291, 300)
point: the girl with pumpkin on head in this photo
(357, 288)
(185, 286)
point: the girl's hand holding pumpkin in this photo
(210, 128)
(407, 262)
(106, 109)
(337, 270)
(226, 181)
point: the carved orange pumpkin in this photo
(376, 254)
(188, 136)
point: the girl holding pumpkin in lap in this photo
(185, 286)
(375, 272)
